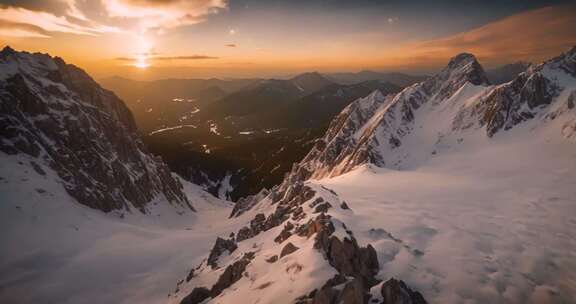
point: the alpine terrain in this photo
(450, 190)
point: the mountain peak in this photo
(465, 66)
(462, 58)
(7, 50)
(310, 82)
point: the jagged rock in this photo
(245, 203)
(288, 249)
(348, 258)
(323, 207)
(190, 275)
(278, 217)
(243, 234)
(285, 233)
(321, 223)
(344, 206)
(261, 223)
(272, 259)
(298, 214)
(337, 290)
(317, 201)
(396, 292)
(198, 295)
(220, 246)
(352, 293)
(232, 274)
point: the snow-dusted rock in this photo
(54, 112)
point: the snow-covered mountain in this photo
(87, 215)
(60, 118)
(437, 185)
(402, 131)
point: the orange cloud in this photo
(530, 36)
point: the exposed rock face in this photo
(248, 202)
(55, 112)
(231, 275)
(521, 99)
(288, 249)
(219, 248)
(396, 292)
(504, 107)
(197, 295)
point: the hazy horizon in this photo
(149, 40)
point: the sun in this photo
(142, 61)
(144, 50)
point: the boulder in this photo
(288, 249)
(231, 275)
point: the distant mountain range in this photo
(399, 79)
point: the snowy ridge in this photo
(403, 131)
(60, 117)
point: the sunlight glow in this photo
(142, 61)
(144, 51)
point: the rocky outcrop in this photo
(244, 204)
(220, 247)
(522, 99)
(56, 113)
(505, 106)
(288, 249)
(198, 295)
(396, 292)
(231, 275)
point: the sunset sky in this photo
(149, 39)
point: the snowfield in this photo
(481, 222)
(55, 250)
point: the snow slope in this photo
(54, 250)
(478, 223)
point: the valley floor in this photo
(55, 250)
(490, 225)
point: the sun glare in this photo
(142, 62)
(144, 46)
